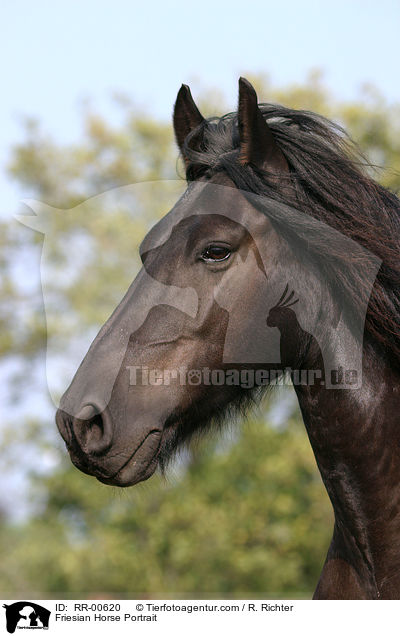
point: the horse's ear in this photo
(257, 144)
(186, 115)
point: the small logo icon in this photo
(26, 615)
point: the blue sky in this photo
(56, 53)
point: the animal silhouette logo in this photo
(160, 289)
(276, 312)
(286, 321)
(26, 615)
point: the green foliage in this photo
(250, 520)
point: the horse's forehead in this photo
(205, 198)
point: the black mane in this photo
(328, 181)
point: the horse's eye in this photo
(216, 253)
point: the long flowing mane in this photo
(328, 181)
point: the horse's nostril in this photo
(63, 422)
(93, 429)
(87, 412)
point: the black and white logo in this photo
(26, 615)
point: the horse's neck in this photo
(355, 435)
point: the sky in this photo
(55, 54)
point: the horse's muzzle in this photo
(89, 438)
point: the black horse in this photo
(274, 196)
